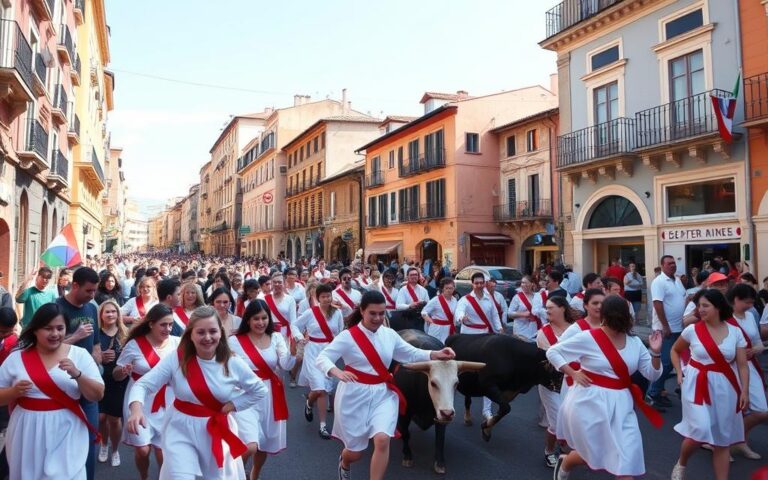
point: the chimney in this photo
(297, 99)
(463, 94)
(553, 86)
(344, 105)
(269, 110)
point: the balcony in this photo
(756, 101)
(43, 9)
(375, 179)
(73, 132)
(424, 163)
(591, 145)
(426, 211)
(219, 227)
(58, 174)
(41, 75)
(59, 107)
(571, 12)
(91, 169)
(35, 153)
(65, 45)
(524, 212)
(74, 72)
(79, 11)
(16, 77)
(302, 187)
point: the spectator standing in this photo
(617, 271)
(64, 281)
(126, 283)
(35, 295)
(6, 301)
(633, 286)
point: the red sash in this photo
(449, 322)
(480, 313)
(388, 297)
(624, 381)
(549, 333)
(720, 365)
(364, 281)
(584, 326)
(527, 304)
(382, 374)
(498, 306)
(263, 371)
(412, 292)
(182, 315)
(150, 355)
(284, 323)
(57, 398)
(755, 361)
(323, 324)
(544, 296)
(9, 343)
(217, 426)
(340, 291)
(140, 306)
(580, 295)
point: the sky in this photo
(252, 54)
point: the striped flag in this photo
(62, 251)
(724, 108)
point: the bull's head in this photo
(443, 378)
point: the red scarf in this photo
(9, 343)
(217, 426)
(284, 323)
(140, 306)
(57, 398)
(544, 296)
(182, 315)
(527, 304)
(583, 324)
(755, 361)
(150, 355)
(549, 333)
(619, 367)
(720, 365)
(340, 292)
(390, 302)
(480, 313)
(448, 315)
(323, 324)
(412, 291)
(279, 403)
(498, 306)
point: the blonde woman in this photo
(146, 298)
(191, 297)
(112, 337)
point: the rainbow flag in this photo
(62, 251)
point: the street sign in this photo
(245, 230)
(347, 236)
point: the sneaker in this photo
(308, 414)
(550, 459)
(678, 473)
(324, 433)
(558, 473)
(746, 452)
(292, 383)
(103, 453)
(116, 459)
(651, 402)
(344, 473)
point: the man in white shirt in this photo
(345, 297)
(668, 296)
(364, 279)
(553, 289)
(321, 272)
(525, 324)
(498, 300)
(412, 296)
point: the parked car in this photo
(507, 279)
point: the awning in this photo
(493, 239)
(381, 248)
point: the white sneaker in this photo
(744, 450)
(103, 453)
(116, 459)
(678, 472)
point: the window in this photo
(372, 217)
(533, 190)
(606, 104)
(408, 201)
(511, 196)
(605, 57)
(413, 151)
(391, 159)
(322, 140)
(436, 198)
(315, 144)
(686, 75)
(301, 153)
(511, 146)
(375, 165)
(309, 149)
(712, 197)
(433, 148)
(332, 206)
(615, 211)
(392, 207)
(400, 158)
(472, 143)
(531, 140)
(383, 210)
(683, 24)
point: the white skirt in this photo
(440, 332)
(46, 445)
(362, 411)
(311, 376)
(757, 398)
(717, 424)
(551, 402)
(248, 425)
(151, 435)
(601, 425)
(273, 437)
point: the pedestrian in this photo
(633, 287)
(169, 294)
(137, 307)
(191, 297)
(221, 300)
(439, 312)
(551, 288)
(108, 289)
(498, 300)
(264, 350)
(48, 432)
(525, 325)
(36, 294)
(597, 417)
(367, 395)
(8, 342)
(345, 297)
(714, 384)
(411, 298)
(209, 383)
(147, 344)
(590, 280)
(617, 271)
(282, 306)
(112, 337)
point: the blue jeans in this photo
(91, 410)
(666, 364)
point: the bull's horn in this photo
(418, 366)
(470, 366)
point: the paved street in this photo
(515, 451)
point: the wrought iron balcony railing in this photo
(375, 179)
(522, 211)
(429, 160)
(15, 52)
(756, 98)
(65, 40)
(571, 12)
(59, 165)
(37, 139)
(606, 139)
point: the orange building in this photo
(431, 184)
(754, 32)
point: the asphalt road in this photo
(515, 451)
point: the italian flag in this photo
(724, 108)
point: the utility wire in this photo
(197, 84)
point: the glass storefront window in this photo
(713, 197)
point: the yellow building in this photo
(93, 101)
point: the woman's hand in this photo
(342, 375)
(743, 400)
(228, 407)
(68, 366)
(679, 378)
(21, 388)
(136, 419)
(581, 378)
(655, 340)
(445, 354)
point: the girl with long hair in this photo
(191, 296)
(137, 307)
(209, 383)
(221, 300)
(109, 288)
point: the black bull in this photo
(512, 367)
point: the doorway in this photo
(697, 255)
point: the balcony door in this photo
(511, 197)
(533, 194)
(606, 102)
(688, 107)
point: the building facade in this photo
(204, 210)
(136, 229)
(189, 220)
(342, 213)
(431, 183)
(639, 145)
(114, 198)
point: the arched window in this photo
(615, 211)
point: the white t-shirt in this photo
(671, 292)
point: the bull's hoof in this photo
(408, 462)
(468, 420)
(485, 431)
(439, 469)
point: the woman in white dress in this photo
(199, 439)
(597, 417)
(263, 349)
(221, 301)
(561, 316)
(742, 297)
(146, 297)
(438, 313)
(147, 344)
(318, 337)
(47, 435)
(712, 395)
(367, 400)
(191, 296)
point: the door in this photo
(533, 194)
(688, 108)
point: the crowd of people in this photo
(99, 358)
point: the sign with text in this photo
(696, 234)
(267, 197)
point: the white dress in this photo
(435, 310)
(287, 308)
(271, 434)
(231, 324)
(47, 445)
(525, 327)
(549, 399)
(569, 332)
(362, 410)
(717, 424)
(311, 376)
(186, 442)
(757, 397)
(600, 423)
(129, 308)
(131, 355)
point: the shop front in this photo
(698, 245)
(488, 249)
